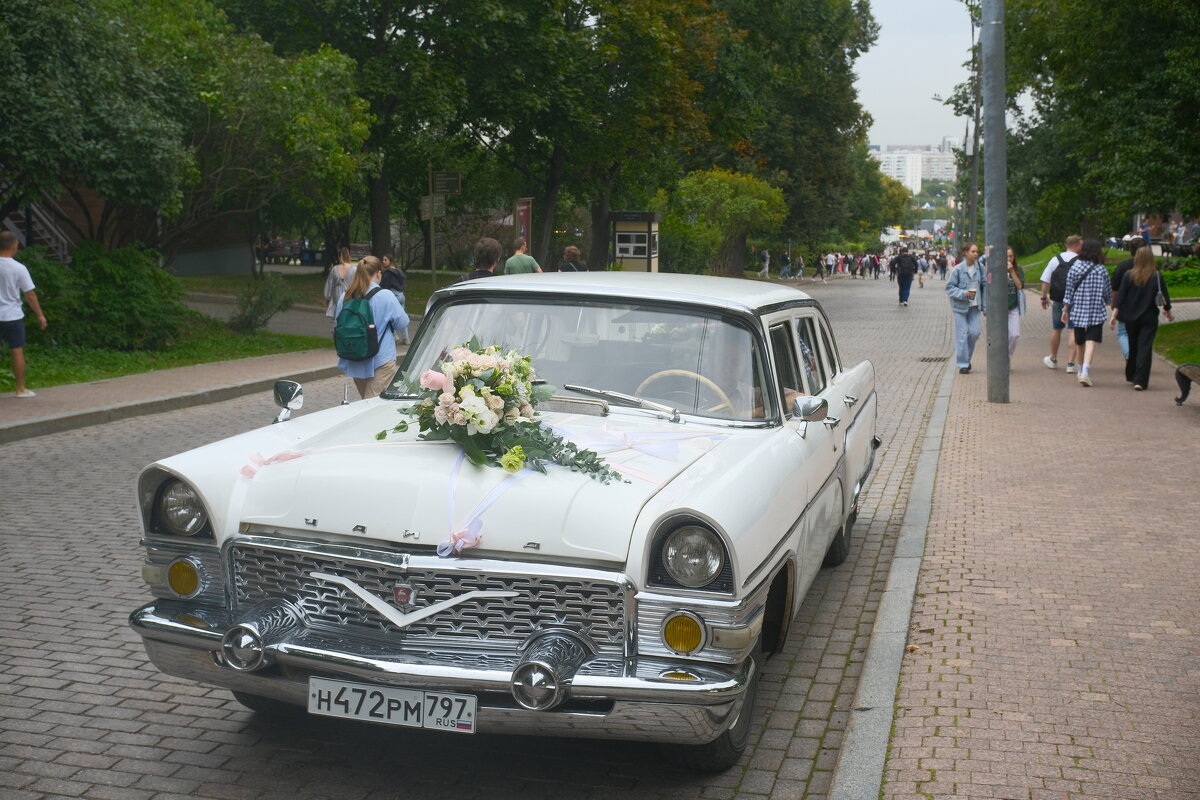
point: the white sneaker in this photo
(1050, 362)
(27, 393)
(1137, 387)
(1085, 379)
(1072, 369)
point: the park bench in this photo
(359, 249)
(283, 251)
(1185, 376)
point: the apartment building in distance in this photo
(913, 163)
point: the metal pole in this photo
(432, 232)
(996, 189)
(976, 79)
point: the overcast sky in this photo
(920, 52)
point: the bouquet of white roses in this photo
(483, 399)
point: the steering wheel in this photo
(725, 403)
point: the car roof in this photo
(739, 293)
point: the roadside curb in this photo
(858, 773)
(41, 426)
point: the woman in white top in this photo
(340, 275)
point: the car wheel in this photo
(727, 749)
(839, 548)
(267, 706)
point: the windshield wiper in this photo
(627, 399)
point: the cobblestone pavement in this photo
(86, 716)
(1055, 621)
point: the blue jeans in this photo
(966, 333)
(905, 286)
(1123, 340)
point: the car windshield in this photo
(695, 362)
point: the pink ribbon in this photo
(257, 462)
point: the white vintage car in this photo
(297, 564)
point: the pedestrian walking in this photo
(520, 262)
(1142, 292)
(1085, 304)
(373, 374)
(785, 266)
(966, 287)
(394, 280)
(570, 260)
(822, 266)
(336, 282)
(1016, 302)
(16, 285)
(1054, 284)
(799, 266)
(1132, 245)
(764, 260)
(905, 267)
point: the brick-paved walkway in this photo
(1055, 622)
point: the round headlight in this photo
(181, 509)
(693, 556)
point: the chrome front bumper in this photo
(607, 698)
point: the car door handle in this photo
(831, 422)
(851, 400)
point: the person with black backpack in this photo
(1054, 285)
(367, 315)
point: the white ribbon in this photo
(472, 530)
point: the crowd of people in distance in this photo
(1075, 288)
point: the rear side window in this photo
(808, 354)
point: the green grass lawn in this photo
(1179, 342)
(310, 288)
(205, 341)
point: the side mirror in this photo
(289, 396)
(810, 409)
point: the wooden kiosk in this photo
(635, 240)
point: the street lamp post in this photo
(996, 187)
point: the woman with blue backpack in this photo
(363, 337)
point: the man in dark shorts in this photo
(15, 283)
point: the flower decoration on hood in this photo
(483, 399)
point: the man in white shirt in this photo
(1066, 257)
(15, 283)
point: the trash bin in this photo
(308, 257)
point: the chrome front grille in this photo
(593, 608)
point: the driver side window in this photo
(787, 367)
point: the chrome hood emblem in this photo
(397, 617)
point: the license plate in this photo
(410, 708)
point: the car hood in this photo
(419, 494)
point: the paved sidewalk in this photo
(1053, 648)
(60, 408)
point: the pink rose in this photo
(431, 379)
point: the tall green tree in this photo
(83, 108)
(784, 99)
(1117, 88)
(712, 213)
(160, 119)
(409, 58)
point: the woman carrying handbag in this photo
(1141, 294)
